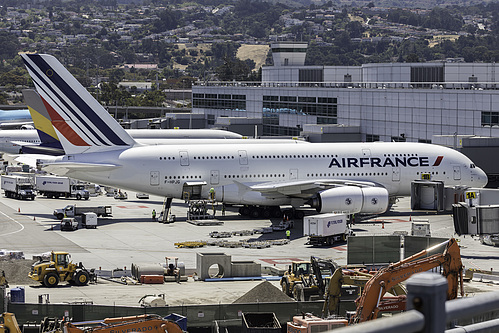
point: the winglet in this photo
(81, 123)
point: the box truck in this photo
(18, 187)
(325, 229)
(56, 187)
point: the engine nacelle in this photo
(365, 200)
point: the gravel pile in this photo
(265, 292)
(16, 272)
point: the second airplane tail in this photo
(81, 123)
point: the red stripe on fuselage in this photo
(438, 161)
(63, 127)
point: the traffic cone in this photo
(34, 218)
(382, 225)
(19, 209)
(410, 218)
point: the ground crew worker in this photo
(288, 233)
(154, 215)
(212, 193)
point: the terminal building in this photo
(374, 102)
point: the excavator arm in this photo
(388, 277)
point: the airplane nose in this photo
(481, 177)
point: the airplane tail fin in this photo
(81, 123)
(43, 125)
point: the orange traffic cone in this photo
(19, 209)
(34, 218)
(382, 225)
(410, 218)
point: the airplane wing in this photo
(66, 167)
(14, 125)
(305, 188)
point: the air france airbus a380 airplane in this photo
(355, 177)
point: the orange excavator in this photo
(143, 323)
(368, 305)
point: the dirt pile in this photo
(265, 292)
(16, 272)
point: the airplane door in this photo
(243, 157)
(184, 158)
(214, 177)
(154, 178)
(293, 174)
(457, 173)
(396, 174)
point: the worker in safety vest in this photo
(288, 233)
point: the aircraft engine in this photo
(365, 200)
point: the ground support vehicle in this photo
(60, 268)
(69, 223)
(9, 323)
(89, 220)
(18, 187)
(386, 278)
(60, 187)
(325, 229)
(73, 210)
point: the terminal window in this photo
(219, 101)
(490, 118)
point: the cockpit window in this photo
(472, 166)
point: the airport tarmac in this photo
(131, 236)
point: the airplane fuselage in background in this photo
(229, 169)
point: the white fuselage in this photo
(165, 170)
(11, 141)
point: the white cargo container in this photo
(420, 228)
(325, 229)
(56, 187)
(89, 220)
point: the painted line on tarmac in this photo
(15, 221)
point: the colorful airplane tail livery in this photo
(82, 124)
(50, 143)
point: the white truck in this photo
(18, 187)
(73, 210)
(56, 187)
(69, 223)
(325, 229)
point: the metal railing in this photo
(353, 85)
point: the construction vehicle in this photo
(353, 277)
(369, 303)
(18, 187)
(143, 323)
(9, 323)
(305, 279)
(60, 268)
(296, 281)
